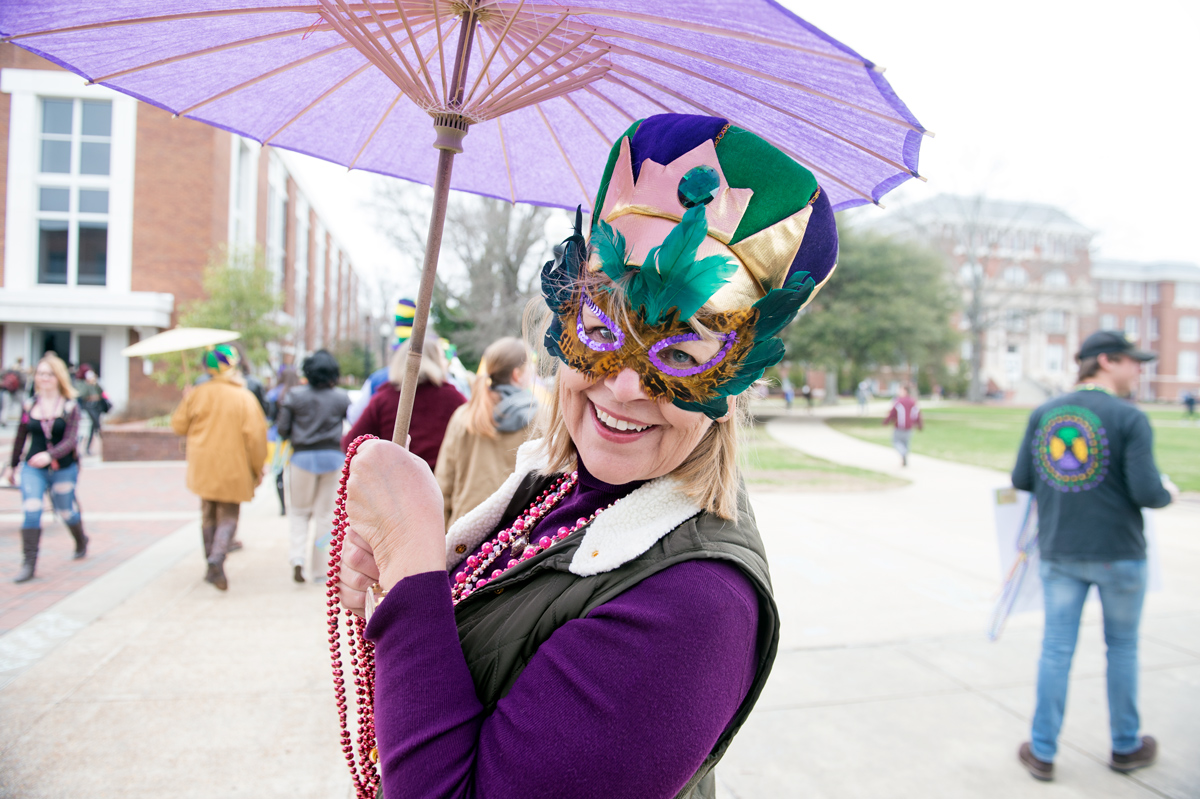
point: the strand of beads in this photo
(362, 657)
(472, 578)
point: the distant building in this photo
(111, 210)
(1026, 266)
(1158, 306)
(1040, 293)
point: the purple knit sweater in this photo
(626, 702)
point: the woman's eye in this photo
(677, 357)
(601, 334)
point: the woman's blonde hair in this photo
(65, 387)
(710, 474)
(433, 363)
(502, 357)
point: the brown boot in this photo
(1144, 756)
(81, 540)
(216, 576)
(30, 538)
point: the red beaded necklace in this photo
(362, 652)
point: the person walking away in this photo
(226, 448)
(862, 394)
(281, 453)
(50, 423)
(310, 417)
(905, 415)
(252, 383)
(94, 403)
(434, 403)
(480, 448)
(807, 392)
(1189, 405)
(12, 384)
(1087, 456)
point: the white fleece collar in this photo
(617, 536)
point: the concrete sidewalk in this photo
(149, 682)
(886, 685)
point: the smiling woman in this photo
(613, 595)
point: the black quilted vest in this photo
(502, 626)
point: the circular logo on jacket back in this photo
(1070, 449)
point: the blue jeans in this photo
(60, 483)
(1122, 585)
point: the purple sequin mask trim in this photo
(727, 339)
(585, 303)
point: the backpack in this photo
(11, 382)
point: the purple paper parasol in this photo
(543, 89)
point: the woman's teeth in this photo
(619, 424)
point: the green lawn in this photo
(767, 463)
(988, 435)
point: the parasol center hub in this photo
(451, 129)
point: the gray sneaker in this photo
(1038, 769)
(1144, 756)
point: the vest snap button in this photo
(461, 548)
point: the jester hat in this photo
(699, 220)
(403, 315)
(221, 359)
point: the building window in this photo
(1189, 365)
(1154, 328)
(1014, 321)
(1189, 328)
(1056, 279)
(300, 282)
(72, 192)
(1055, 321)
(1131, 328)
(1054, 358)
(1187, 295)
(1108, 322)
(1132, 293)
(1110, 291)
(1152, 295)
(1015, 276)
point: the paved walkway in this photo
(148, 682)
(886, 685)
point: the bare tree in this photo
(490, 260)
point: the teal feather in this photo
(673, 278)
(713, 409)
(779, 306)
(761, 355)
(611, 249)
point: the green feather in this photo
(714, 409)
(779, 306)
(761, 355)
(673, 278)
(612, 251)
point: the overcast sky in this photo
(1091, 107)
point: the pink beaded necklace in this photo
(362, 652)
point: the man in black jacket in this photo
(1089, 460)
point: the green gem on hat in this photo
(699, 186)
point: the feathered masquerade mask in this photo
(682, 249)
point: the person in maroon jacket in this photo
(433, 405)
(905, 414)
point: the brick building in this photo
(1024, 274)
(110, 212)
(1158, 306)
(1039, 293)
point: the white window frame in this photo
(1188, 365)
(27, 87)
(1108, 321)
(1189, 329)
